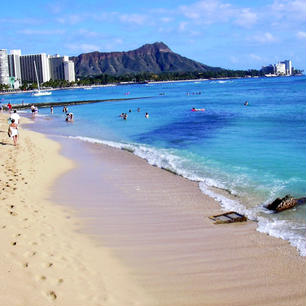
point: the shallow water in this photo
(255, 152)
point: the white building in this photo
(69, 71)
(288, 67)
(280, 69)
(14, 67)
(4, 69)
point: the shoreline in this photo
(157, 221)
(148, 226)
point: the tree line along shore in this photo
(143, 77)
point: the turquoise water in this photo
(256, 152)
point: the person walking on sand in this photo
(13, 131)
(15, 116)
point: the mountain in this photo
(155, 58)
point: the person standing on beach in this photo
(15, 116)
(9, 106)
(51, 109)
(13, 131)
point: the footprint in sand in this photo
(52, 294)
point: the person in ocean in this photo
(13, 131)
(147, 115)
(246, 103)
(69, 117)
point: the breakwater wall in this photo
(66, 103)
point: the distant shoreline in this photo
(149, 82)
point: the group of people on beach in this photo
(124, 116)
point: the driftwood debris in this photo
(228, 217)
(284, 203)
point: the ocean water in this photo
(251, 154)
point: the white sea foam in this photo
(285, 230)
(165, 159)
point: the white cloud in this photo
(246, 18)
(182, 26)
(133, 19)
(70, 19)
(87, 33)
(29, 21)
(216, 11)
(255, 57)
(301, 35)
(82, 47)
(264, 38)
(41, 32)
(166, 19)
(284, 9)
(55, 7)
(209, 11)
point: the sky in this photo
(232, 34)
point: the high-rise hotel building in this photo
(4, 69)
(61, 68)
(28, 68)
(14, 67)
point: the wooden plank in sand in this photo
(228, 217)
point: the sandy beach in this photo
(44, 261)
(98, 226)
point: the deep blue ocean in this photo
(251, 154)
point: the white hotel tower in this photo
(4, 69)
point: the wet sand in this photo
(157, 225)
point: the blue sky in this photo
(232, 34)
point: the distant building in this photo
(4, 69)
(281, 68)
(14, 68)
(61, 68)
(288, 67)
(268, 69)
(28, 71)
(69, 71)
